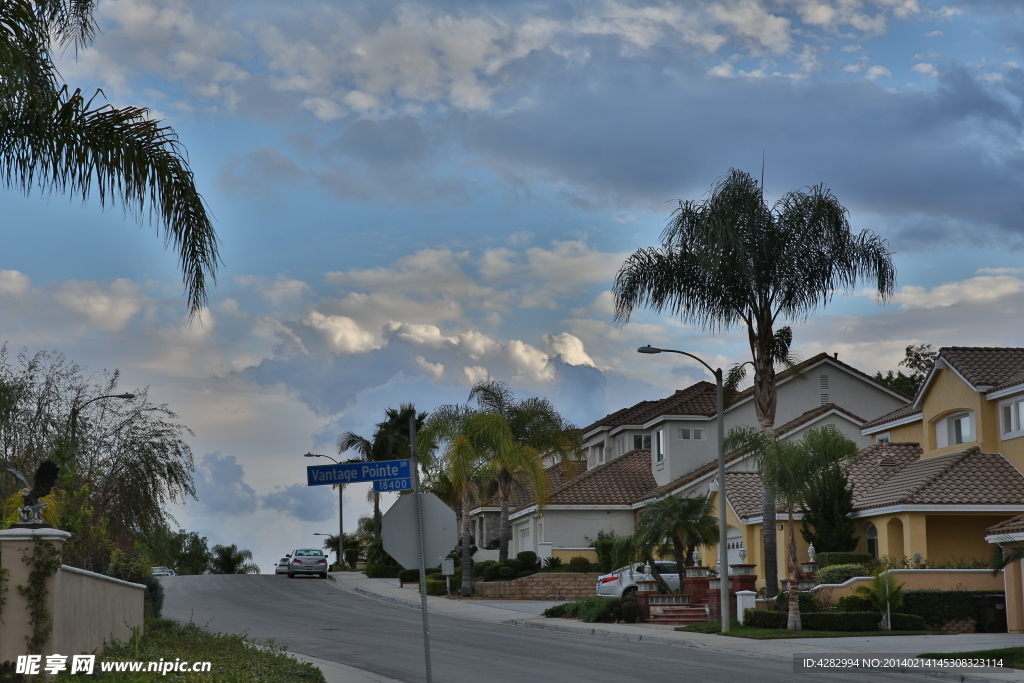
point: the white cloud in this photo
(475, 373)
(14, 283)
(877, 71)
(569, 348)
(104, 307)
(977, 290)
(434, 370)
(342, 334)
(926, 69)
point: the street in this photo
(314, 617)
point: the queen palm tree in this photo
(730, 260)
(677, 524)
(536, 430)
(53, 138)
(789, 469)
(228, 559)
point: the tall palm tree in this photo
(789, 469)
(536, 430)
(228, 559)
(730, 260)
(53, 138)
(678, 524)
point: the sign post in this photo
(419, 533)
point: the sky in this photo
(413, 196)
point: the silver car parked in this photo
(307, 561)
(622, 582)
(282, 565)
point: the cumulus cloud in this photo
(305, 503)
(569, 348)
(14, 283)
(977, 290)
(221, 487)
(106, 307)
(342, 334)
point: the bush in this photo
(604, 546)
(808, 602)
(552, 563)
(493, 544)
(437, 587)
(839, 573)
(382, 571)
(492, 572)
(515, 563)
(528, 558)
(580, 564)
(480, 567)
(556, 612)
(937, 607)
(153, 600)
(409, 576)
(525, 572)
(594, 609)
(630, 611)
(765, 618)
(833, 621)
(855, 603)
(506, 572)
(829, 559)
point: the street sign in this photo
(398, 530)
(385, 485)
(449, 567)
(352, 472)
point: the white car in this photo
(282, 565)
(163, 571)
(307, 561)
(623, 582)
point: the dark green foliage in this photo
(528, 558)
(409, 576)
(840, 573)
(516, 564)
(855, 603)
(630, 611)
(829, 559)
(555, 612)
(437, 587)
(833, 621)
(937, 607)
(827, 504)
(381, 571)
(589, 610)
(765, 618)
(493, 572)
(604, 546)
(506, 572)
(580, 564)
(552, 563)
(919, 359)
(229, 559)
(493, 544)
(808, 603)
(153, 600)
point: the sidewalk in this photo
(528, 614)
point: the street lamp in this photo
(723, 549)
(341, 512)
(76, 409)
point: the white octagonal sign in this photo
(398, 530)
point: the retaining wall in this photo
(541, 586)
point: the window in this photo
(699, 433)
(620, 445)
(695, 433)
(524, 539)
(642, 441)
(1011, 413)
(831, 429)
(684, 433)
(599, 453)
(824, 390)
(955, 429)
(872, 536)
(659, 446)
(882, 438)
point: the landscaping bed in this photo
(737, 630)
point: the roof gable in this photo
(983, 368)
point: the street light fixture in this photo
(723, 549)
(341, 511)
(76, 409)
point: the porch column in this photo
(915, 534)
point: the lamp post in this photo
(723, 549)
(341, 511)
(76, 409)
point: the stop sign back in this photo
(398, 530)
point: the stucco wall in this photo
(908, 433)
(927, 579)
(947, 394)
(542, 586)
(91, 609)
(572, 528)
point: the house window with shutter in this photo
(824, 390)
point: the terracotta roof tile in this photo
(898, 414)
(522, 494)
(986, 366)
(743, 491)
(698, 399)
(618, 482)
(878, 462)
(1014, 525)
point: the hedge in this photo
(840, 573)
(435, 587)
(383, 571)
(808, 602)
(409, 576)
(937, 607)
(855, 603)
(833, 621)
(829, 559)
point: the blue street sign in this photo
(352, 472)
(385, 485)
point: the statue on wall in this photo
(31, 511)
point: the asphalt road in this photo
(313, 617)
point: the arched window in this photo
(872, 536)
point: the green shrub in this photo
(382, 571)
(808, 602)
(432, 570)
(829, 559)
(840, 573)
(505, 572)
(580, 564)
(937, 607)
(555, 612)
(480, 567)
(552, 563)
(604, 546)
(765, 618)
(437, 587)
(493, 544)
(409, 576)
(525, 572)
(515, 563)
(594, 609)
(833, 621)
(493, 572)
(528, 558)
(855, 603)
(630, 611)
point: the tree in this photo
(787, 467)
(885, 594)
(730, 260)
(678, 524)
(228, 559)
(53, 138)
(536, 429)
(919, 359)
(186, 552)
(827, 505)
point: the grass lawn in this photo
(1013, 657)
(738, 631)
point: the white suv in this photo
(622, 582)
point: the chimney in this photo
(836, 355)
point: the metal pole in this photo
(341, 526)
(414, 466)
(723, 527)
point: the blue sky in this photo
(414, 195)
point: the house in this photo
(670, 446)
(1010, 534)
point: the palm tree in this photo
(789, 469)
(536, 429)
(730, 259)
(228, 559)
(678, 524)
(53, 138)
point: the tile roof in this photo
(898, 414)
(618, 482)
(969, 477)
(878, 462)
(1014, 525)
(743, 490)
(522, 494)
(986, 366)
